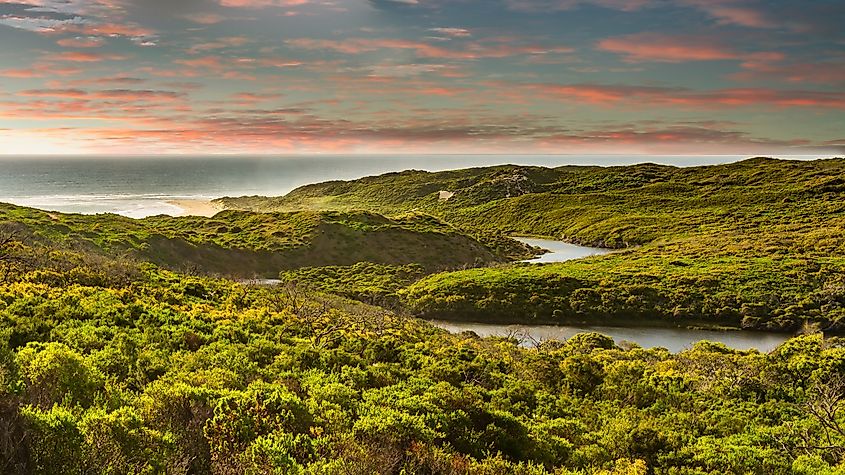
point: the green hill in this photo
(614, 206)
(756, 244)
(245, 244)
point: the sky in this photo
(422, 76)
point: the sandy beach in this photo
(196, 207)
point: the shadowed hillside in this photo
(244, 244)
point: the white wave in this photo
(132, 206)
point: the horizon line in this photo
(403, 154)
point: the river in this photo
(560, 251)
(674, 339)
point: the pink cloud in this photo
(644, 47)
(226, 67)
(110, 80)
(206, 18)
(279, 63)
(80, 57)
(291, 130)
(453, 32)
(55, 93)
(22, 73)
(128, 95)
(81, 42)
(734, 12)
(220, 43)
(559, 5)
(730, 12)
(255, 97)
(707, 99)
(822, 72)
(131, 95)
(90, 29)
(262, 3)
(425, 50)
(741, 16)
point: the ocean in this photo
(144, 186)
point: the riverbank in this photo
(608, 321)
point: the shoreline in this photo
(189, 207)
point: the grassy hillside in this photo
(405, 190)
(757, 244)
(245, 244)
(614, 206)
(137, 370)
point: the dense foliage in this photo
(168, 373)
(374, 284)
(758, 244)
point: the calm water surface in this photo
(673, 339)
(560, 251)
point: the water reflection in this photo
(673, 339)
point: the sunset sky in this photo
(422, 76)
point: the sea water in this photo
(145, 186)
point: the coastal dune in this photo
(204, 208)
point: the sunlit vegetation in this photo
(116, 367)
(756, 244)
(122, 352)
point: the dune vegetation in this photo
(120, 367)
